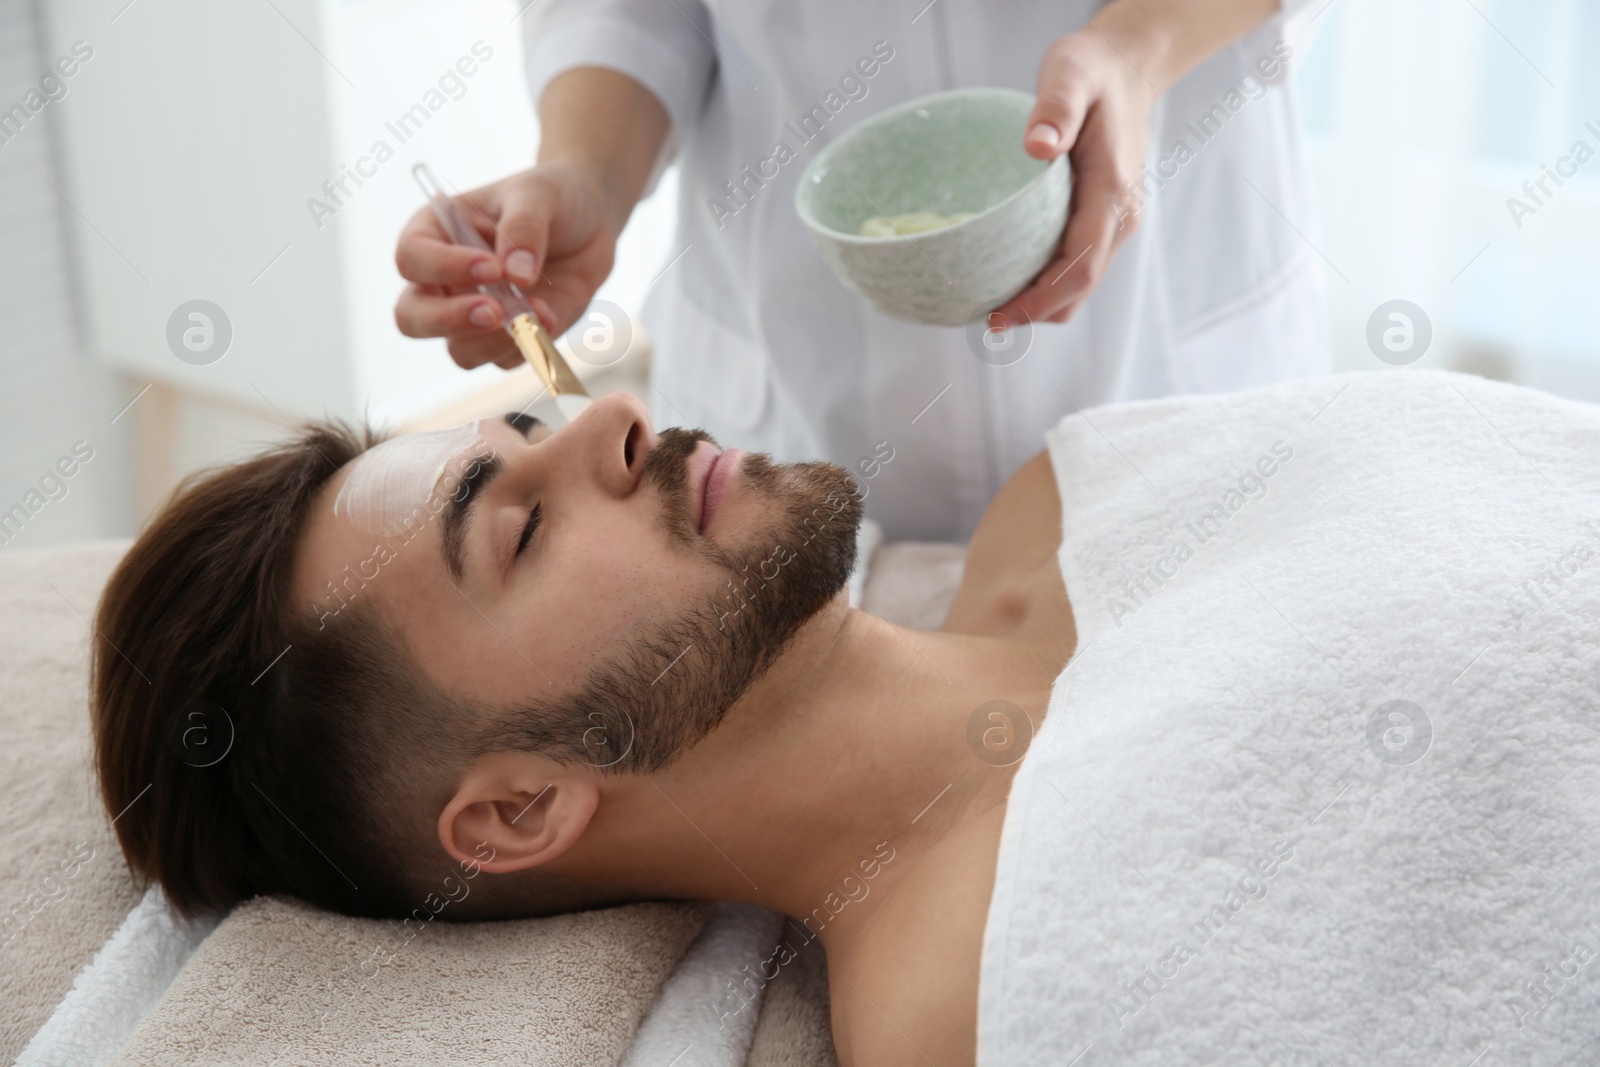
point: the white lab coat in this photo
(756, 341)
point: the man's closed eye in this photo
(535, 517)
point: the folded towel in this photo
(706, 1012)
(796, 1028)
(280, 981)
(913, 583)
(1322, 785)
(118, 987)
(63, 886)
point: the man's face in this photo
(618, 589)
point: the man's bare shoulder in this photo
(907, 993)
(904, 987)
(1015, 542)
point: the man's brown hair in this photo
(243, 748)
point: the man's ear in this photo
(513, 810)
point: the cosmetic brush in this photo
(527, 332)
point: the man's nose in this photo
(608, 442)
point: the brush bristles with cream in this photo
(524, 327)
(533, 341)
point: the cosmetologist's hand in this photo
(554, 235)
(1094, 105)
(1095, 90)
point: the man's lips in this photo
(711, 474)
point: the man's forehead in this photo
(390, 481)
(379, 503)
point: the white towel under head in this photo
(117, 988)
(705, 1015)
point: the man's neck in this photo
(857, 736)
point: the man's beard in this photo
(645, 706)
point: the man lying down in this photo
(1262, 728)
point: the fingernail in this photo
(483, 315)
(1044, 131)
(521, 265)
(485, 270)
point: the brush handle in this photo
(535, 344)
(463, 232)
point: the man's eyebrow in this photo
(458, 511)
(522, 422)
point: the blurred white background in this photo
(1422, 120)
(177, 161)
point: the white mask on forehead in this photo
(389, 484)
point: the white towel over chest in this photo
(1322, 784)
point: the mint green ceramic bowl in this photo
(950, 153)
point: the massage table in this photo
(1258, 581)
